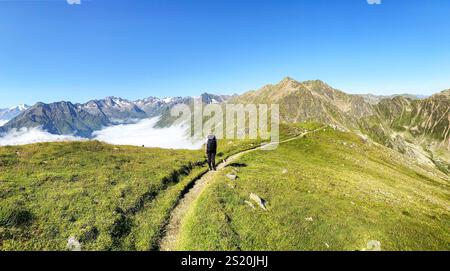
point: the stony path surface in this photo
(171, 231)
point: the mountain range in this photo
(66, 118)
(417, 126)
(315, 100)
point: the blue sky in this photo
(51, 51)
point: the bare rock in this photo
(231, 176)
(73, 244)
(373, 245)
(261, 203)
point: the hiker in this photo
(211, 150)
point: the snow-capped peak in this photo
(12, 112)
(121, 103)
(117, 102)
(167, 100)
(20, 107)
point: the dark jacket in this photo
(211, 144)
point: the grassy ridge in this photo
(107, 197)
(150, 222)
(55, 190)
(327, 191)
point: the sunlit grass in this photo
(108, 197)
(328, 191)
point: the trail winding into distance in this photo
(172, 230)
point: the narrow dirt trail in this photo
(172, 229)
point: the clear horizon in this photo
(52, 51)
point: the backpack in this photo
(211, 144)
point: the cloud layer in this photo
(32, 135)
(144, 133)
(138, 134)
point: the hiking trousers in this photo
(211, 160)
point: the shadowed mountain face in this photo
(59, 118)
(429, 117)
(425, 120)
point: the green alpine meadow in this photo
(108, 197)
(321, 189)
(224, 134)
(329, 190)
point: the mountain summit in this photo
(415, 126)
(309, 100)
(9, 113)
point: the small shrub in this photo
(15, 215)
(89, 234)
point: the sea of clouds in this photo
(142, 133)
(145, 133)
(32, 135)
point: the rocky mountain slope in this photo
(310, 100)
(59, 118)
(413, 127)
(374, 99)
(421, 118)
(418, 127)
